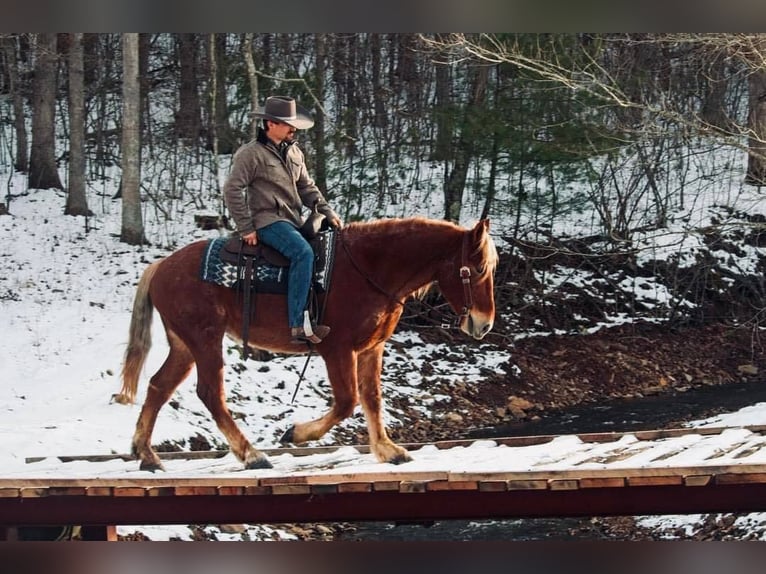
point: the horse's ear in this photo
(480, 230)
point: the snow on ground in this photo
(66, 289)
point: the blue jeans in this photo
(286, 239)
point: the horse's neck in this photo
(405, 261)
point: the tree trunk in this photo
(10, 51)
(227, 139)
(318, 133)
(188, 119)
(756, 160)
(43, 173)
(76, 203)
(455, 184)
(252, 79)
(132, 225)
(445, 121)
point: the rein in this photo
(465, 278)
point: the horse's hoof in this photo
(151, 466)
(289, 436)
(400, 458)
(260, 462)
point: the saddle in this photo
(237, 252)
(247, 258)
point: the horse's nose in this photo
(480, 329)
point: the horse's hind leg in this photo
(161, 386)
(369, 368)
(210, 390)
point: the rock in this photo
(454, 417)
(519, 403)
(749, 370)
(232, 528)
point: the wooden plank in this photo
(230, 490)
(493, 486)
(290, 489)
(33, 492)
(563, 484)
(355, 487)
(655, 480)
(751, 478)
(253, 490)
(66, 491)
(452, 485)
(129, 491)
(324, 488)
(698, 480)
(345, 476)
(606, 482)
(412, 486)
(10, 492)
(98, 491)
(385, 486)
(157, 491)
(196, 490)
(520, 484)
(627, 472)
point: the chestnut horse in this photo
(378, 265)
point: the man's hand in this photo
(251, 238)
(334, 221)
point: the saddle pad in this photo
(268, 278)
(213, 269)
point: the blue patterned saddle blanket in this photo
(269, 275)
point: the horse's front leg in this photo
(341, 369)
(370, 364)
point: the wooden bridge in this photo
(672, 471)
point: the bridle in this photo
(465, 278)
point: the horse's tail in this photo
(139, 338)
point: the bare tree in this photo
(454, 185)
(188, 118)
(219, 107)
(756, 159)
(43, 173)
(11, 56)
(76, 203)
(319, 131)
(132, 231)
(252, 80)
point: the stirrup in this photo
(314, 335)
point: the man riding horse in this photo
(265, 193)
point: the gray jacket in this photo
(263, 187)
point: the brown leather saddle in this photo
(247, 258)
(237, 252)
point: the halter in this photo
(465, 278)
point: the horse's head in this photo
(467, 281)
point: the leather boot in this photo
(319, 332)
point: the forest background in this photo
(571, 143)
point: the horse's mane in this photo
(402, 225)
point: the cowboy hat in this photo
(284, 109)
